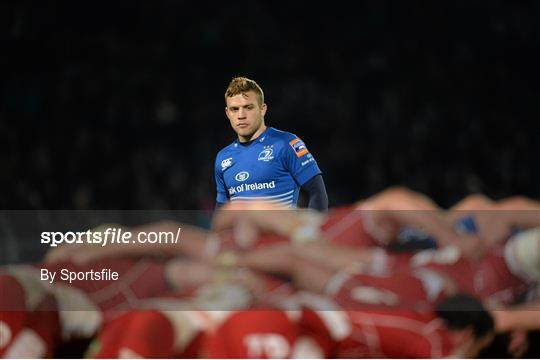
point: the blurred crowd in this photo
(121, 106)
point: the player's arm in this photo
(221, 190)
(316, 191)
(305, 171)
(522, 317)
(399, 206)
(518, 320)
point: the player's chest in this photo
(255, 165)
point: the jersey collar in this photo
(258, 139)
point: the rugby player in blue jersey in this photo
(263, 163)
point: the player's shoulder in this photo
(284, 138)
(224, 157)
(225, 151)
(281, 135)
(290, 141)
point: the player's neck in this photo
(255, 135)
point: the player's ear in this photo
(263, 109)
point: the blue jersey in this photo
(271, 169)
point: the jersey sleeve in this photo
(221, 189)
(299, 161)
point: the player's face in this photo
(246, 115)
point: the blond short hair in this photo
(241, 85)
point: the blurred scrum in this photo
(120, 105)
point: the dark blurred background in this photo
(119, 105)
